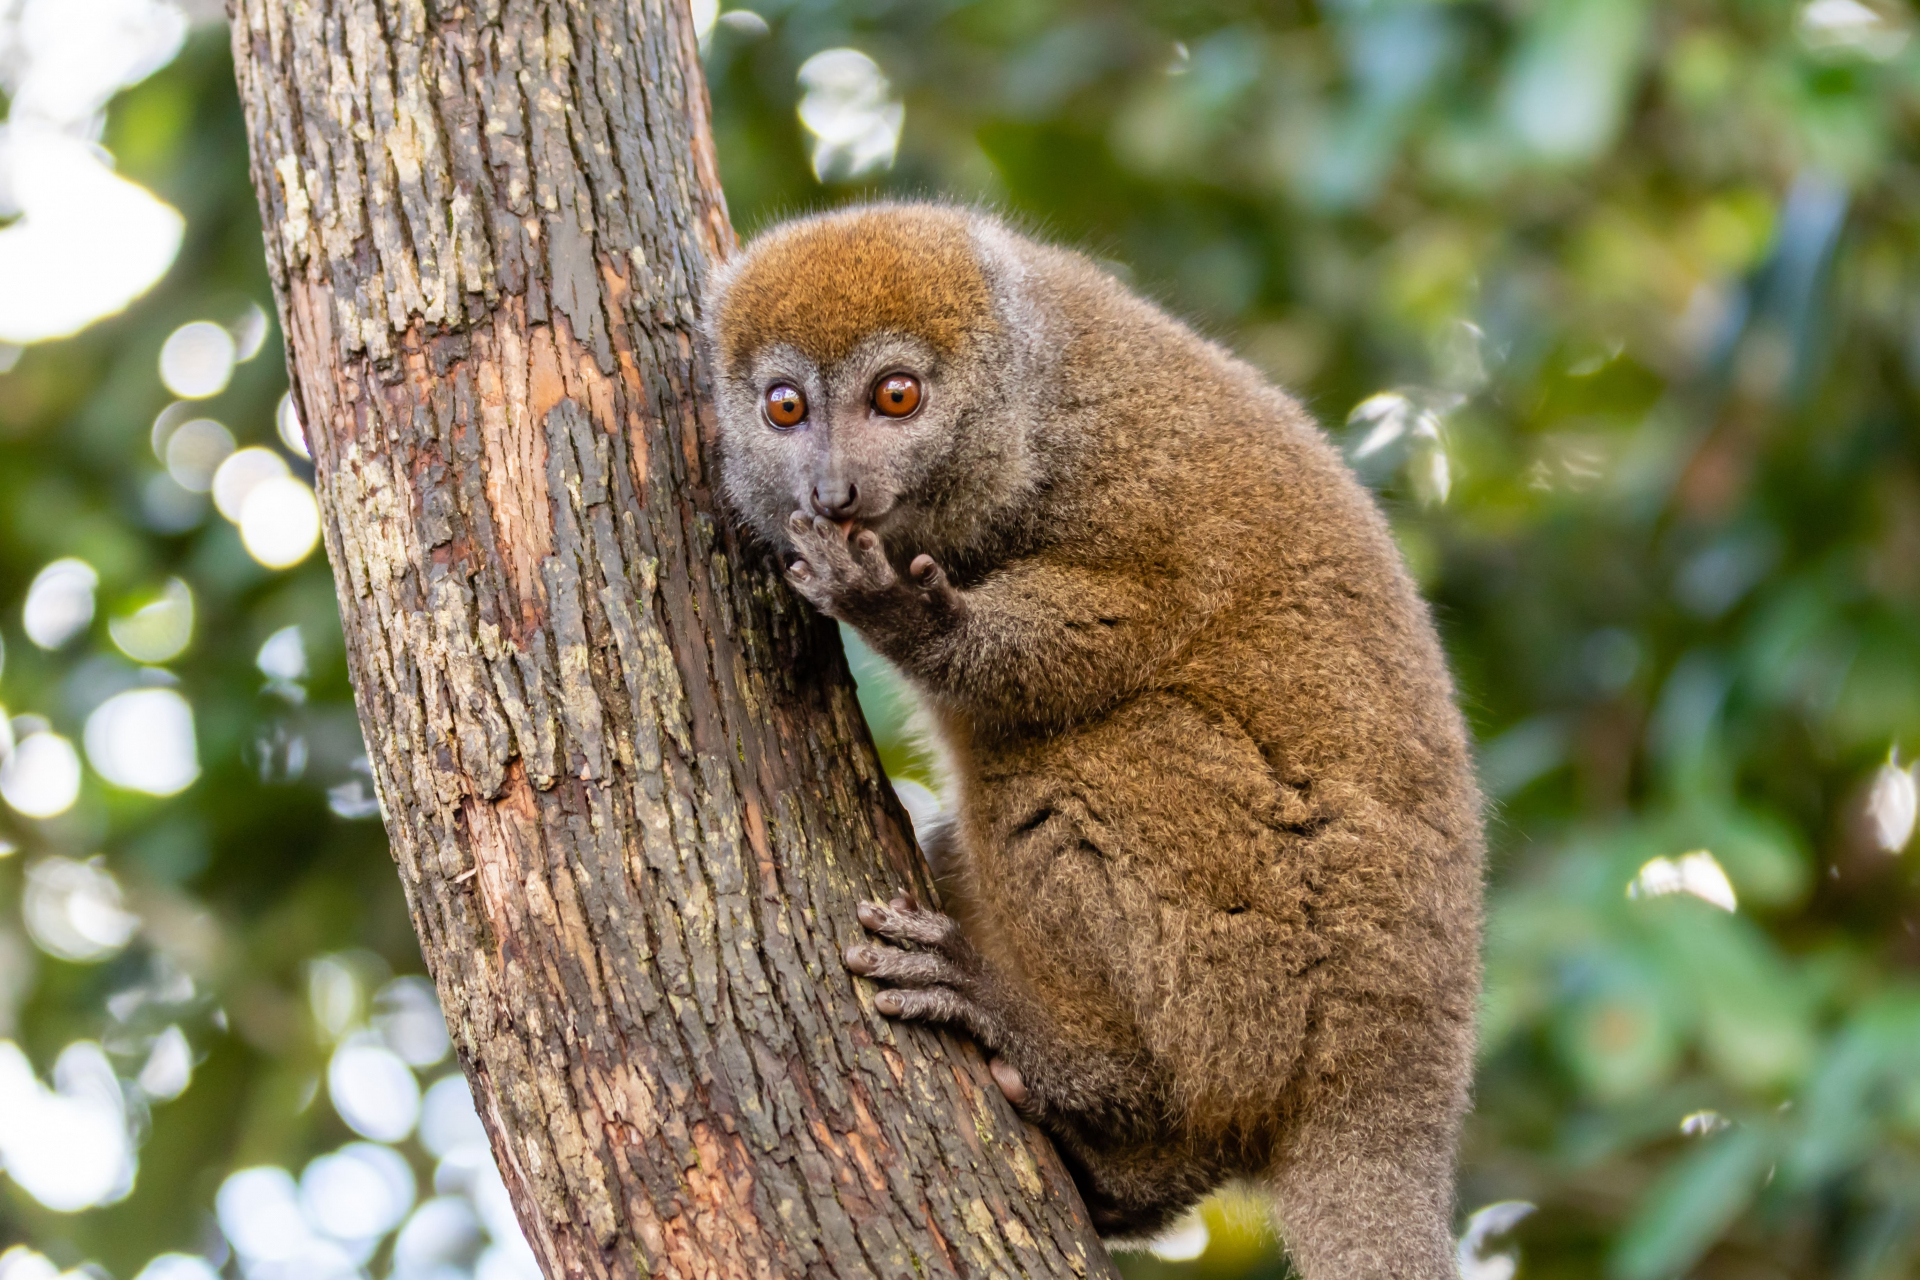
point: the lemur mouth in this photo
(876, 522)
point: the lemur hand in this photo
(844, 572)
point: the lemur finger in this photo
(802, 577)
(908, 968)
(928, 928)
(928, 573)
(799, 523)
(927, 1004)
(871, 560)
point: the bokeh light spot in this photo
(847, 104)
(1697, 873)
(59, 602)
(286, 420)
(442, 1238)
(197, 359)
(67, 1146)
(406, 1013)
(280, 522)
(448, 1121)
(250, 332)
(41, 777)
(373, 1090)
(159, 630)
(195, 451)
(240, 474)
(143, 740)
(359, 1192)
(87, 242)
(283, 656)
(75, 910)
(1893, 805)
(259, 1210)
(169, 1066)
(178, 1266)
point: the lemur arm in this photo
(1041, 639)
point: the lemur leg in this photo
(1368, 1198)
(944, 979)
(1107, 1112)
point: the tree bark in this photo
(627, 785)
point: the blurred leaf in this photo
(1691, 1204)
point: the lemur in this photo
(1212, 844)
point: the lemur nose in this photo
(835, 501)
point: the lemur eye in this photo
(786, 407)
(897, 395)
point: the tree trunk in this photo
(628, 787)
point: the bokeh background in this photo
(1616, 302)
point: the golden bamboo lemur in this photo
(1212, 837)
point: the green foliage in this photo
(1643, 280)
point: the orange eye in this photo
(898, 395)
(786, 407)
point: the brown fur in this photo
(1212, 837)
(908, 270)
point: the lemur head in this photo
(867, 368)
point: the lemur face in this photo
(854, 356)
(848, 441)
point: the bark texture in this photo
(628, 787)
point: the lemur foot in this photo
(843, 571)
(942, 980)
